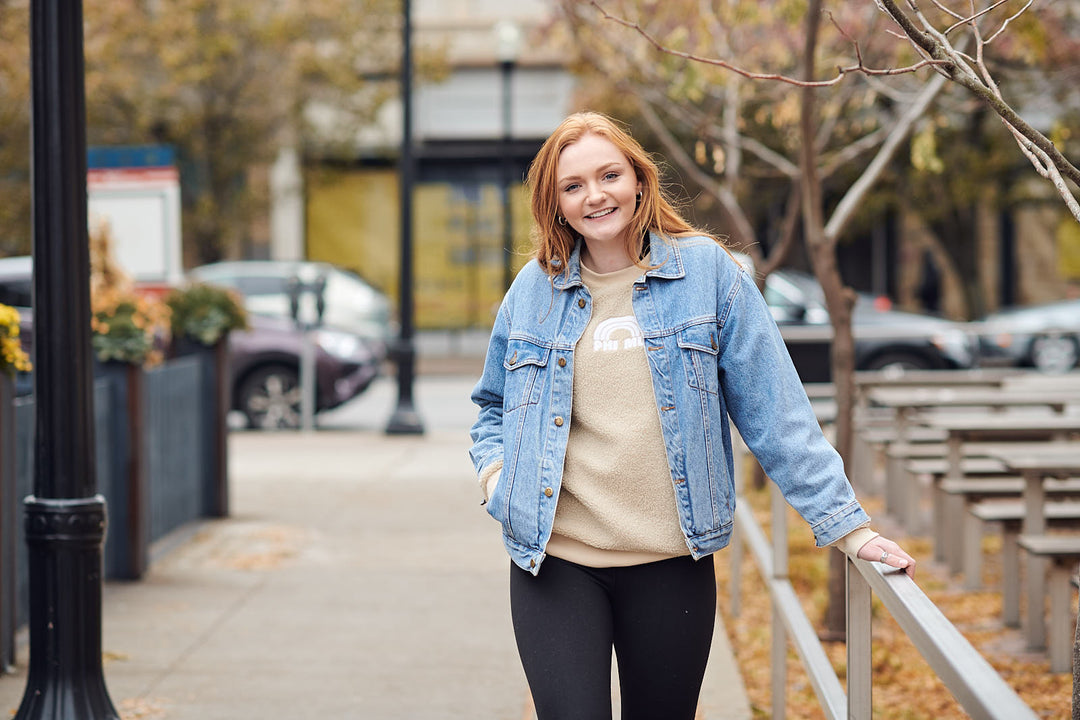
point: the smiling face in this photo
(597, 191)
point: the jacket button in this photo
(532, 563)
(558, 421)
(581, 302)
(548, 492)
(562, 362)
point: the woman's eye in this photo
(571, 187)
(611, 176)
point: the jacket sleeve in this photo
(766, 401)
(487, 432)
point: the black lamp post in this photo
(507, 47)
(405, 420)
(65, 517)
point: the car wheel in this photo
(897, 361)
(270, 397)
(1054, 353)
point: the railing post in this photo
(780, 572)
(859, 644)
(738, 451)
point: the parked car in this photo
(884, 338)
(351, 304)
(265, 365)
(1045, 337)
(264, 361)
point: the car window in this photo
(780, 293)
(16, 292)
(255, 285)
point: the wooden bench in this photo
(875, 429)
(968, 491)
(942, 505)
(903, 492)
(1063, 553)
(1010, 515)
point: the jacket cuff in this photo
(840, 523)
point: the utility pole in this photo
(405, 420)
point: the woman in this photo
(602, 443)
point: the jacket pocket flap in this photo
(699, 337)
(523, 352)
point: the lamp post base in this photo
(64, 539)
(405, 420)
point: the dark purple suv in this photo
(265, 366)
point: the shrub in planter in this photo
(127, 327)
(204, 313)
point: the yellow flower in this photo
(12, 357)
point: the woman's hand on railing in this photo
(883, 550)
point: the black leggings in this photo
(659, 617)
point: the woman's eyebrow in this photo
(602, 169)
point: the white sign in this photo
(142, 207)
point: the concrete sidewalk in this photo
(357, 578)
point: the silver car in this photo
(351, 304)
(1045, 337)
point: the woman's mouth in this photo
(599, 214)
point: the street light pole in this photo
(405, 420)
(65, 517)
(508, 44)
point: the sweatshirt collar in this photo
(663, 254)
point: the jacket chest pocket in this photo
(524, 364)
(698, 346)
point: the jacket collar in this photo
(665, 255)
(662, 253)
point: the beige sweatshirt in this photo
(617, 502)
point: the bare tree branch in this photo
(845, 210)
(971, 20)
(938, 47)
(841, 72)
(675, 151)
(852, 151)
(765, 153)
(1008, 20)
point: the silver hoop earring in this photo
(561, 219)
(639, 197)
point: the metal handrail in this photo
(967, 675)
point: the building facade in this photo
(475, 131)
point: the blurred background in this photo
(280, 124)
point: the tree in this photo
(226, 82)
(929, 36)
(14, 128)
(735, 139)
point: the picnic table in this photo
(906, 400)
(1035, 462)
(912, 407)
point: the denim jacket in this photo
(714, 352)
